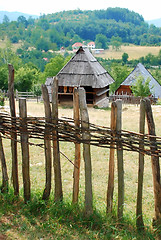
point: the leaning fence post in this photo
(4, 187)
(110, 187)
(13, 132)
(56, 152)
(24, 148)
(86, 152)
(155, 163)
(139, 216)
(120, 165)
(77, 147)
(47, 142)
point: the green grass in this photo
(40, 219)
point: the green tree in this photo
(101, 41)
(4, 77)
(55, 65)
(22, 20)
(119, 73)
(141, 88)
(43, 44)
(116, 42)
(25, 77)
(125, 57)
(6, 20)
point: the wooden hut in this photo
(139, 70)
(83, 70)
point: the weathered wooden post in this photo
(77, 147)
(139, 215)
(47, 142)
(155, 164)
(24, 148)
(120, 164)
(13, 132)
(4, 187)
(56, 152)
(110, 187)
(86, 152)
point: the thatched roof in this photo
(84, 70)
(140, 70)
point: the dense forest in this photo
(53, 31)
(35, 58)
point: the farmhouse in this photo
(139, 70)
(83, 70)
(76, 46)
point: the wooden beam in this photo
(139, 215)
(25, 149)
(13, 133)
(120, 164)
(86, 152)
(110, 187)
(47, 142)
(56, 153)
(77, 148)
(155, 164)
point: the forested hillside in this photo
(65, 28)
(38, 40)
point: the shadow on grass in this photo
(40, 219)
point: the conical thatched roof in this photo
(140, 70)
(84, 70)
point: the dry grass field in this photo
(15, 46)
(134, 52)
(100, 158)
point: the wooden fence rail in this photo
(79, 130)
(129, 99)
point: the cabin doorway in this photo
(89, 95)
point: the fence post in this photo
(110, 187)
(47, 142)
(139, 216)
(56, 152)
(77, 148)
(13, 133)
(86, 152)
(120, 164)
(155, 164)
(4, 187)
(24, 148)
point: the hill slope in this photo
(14, 15)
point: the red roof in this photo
(91, 43)
(77, 45)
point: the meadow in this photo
(133, 51)
(46, 220)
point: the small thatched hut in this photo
(83, 70)
(139, 70)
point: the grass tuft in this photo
(61, 220)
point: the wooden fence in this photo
(79, 131)
(130, 99)
(28, 95)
